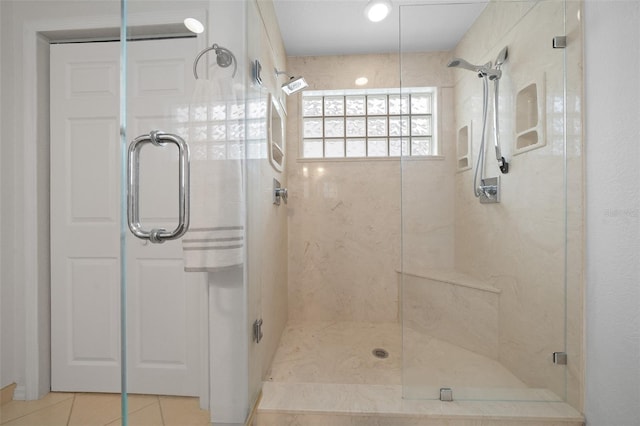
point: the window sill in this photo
(370, 159)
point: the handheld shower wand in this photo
(502, 163)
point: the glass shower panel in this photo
(186, 271)
(258, 190)
(483, 284)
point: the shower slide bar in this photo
(159, 139)
(489, 189)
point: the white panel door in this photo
(163, 302)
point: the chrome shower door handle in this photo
(157, 138)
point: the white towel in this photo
(215, 128)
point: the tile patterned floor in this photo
(89, 409)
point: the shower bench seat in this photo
(452, 306)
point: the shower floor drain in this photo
(380, 353)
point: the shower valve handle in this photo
(283, 194)
(504, 166)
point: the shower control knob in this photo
(283, 194)
(279, 193)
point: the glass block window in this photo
(219, 130)
(371, 123)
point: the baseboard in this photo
(6, 393)
(20, 393)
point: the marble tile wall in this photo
(520, 243)
(345, 216)
(268, 223)
(345, 220)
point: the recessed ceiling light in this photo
(361, 81)
(377, 10)
(194, 25)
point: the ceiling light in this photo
(377, 10)
(194, 25)
(361, 81)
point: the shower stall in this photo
(405, 289)
(185, 244)
(487, 313)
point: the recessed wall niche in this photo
(463, 148)
(530, 101)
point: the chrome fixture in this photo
(494, 73)
(560, 358)
(559, 42)
(293, 85)
(461, 63)
(160, 235)
(257, 330)
(502, 163)
(489, 190)
(224, 59)
(279, 193)
(257, 72)
(446, 394)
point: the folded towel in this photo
(215, 238)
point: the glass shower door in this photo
(483, 287)
(163, 303)
(186, 310)
(149, 277)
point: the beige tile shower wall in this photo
(271, 222)
(345, 216)
(519, 244)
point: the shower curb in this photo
(343, 404)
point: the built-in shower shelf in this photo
(463, 148)
(530, 116)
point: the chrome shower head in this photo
(502, 57)
(461, 63)
(294, 84)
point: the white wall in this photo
(5, 353)
(612, 69)
(8, 360)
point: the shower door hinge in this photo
(559, 42)
(446, 394)
(560, 358)
(257, 72)
(257, 330)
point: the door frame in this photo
(36, 275)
